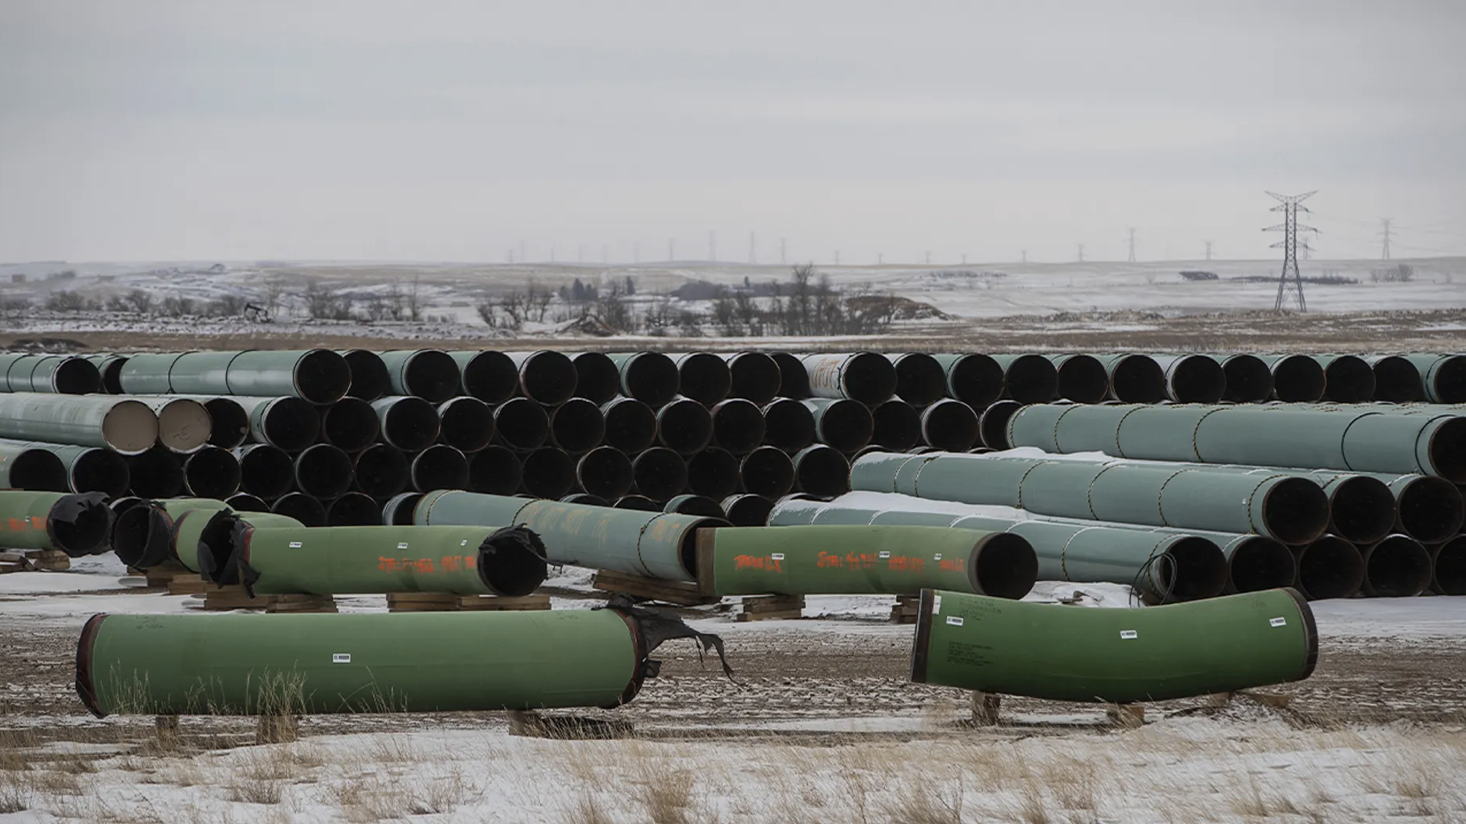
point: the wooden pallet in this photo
(30, 560)
(160, 575)
(14, 561)
(906, 609)
(766, 607)
(188, 584)
(448, 602)
(234, 597)
(682, 593)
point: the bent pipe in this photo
(157, 473)
(265, 470)
(465, 423)
(766, 471)
(546, 377)
(1296, 378)
(747, 510)
(306, 509)
(788, 424)
(438, 662)
(126, 426)
(547, 473)
(843, 424)
(713, 473)
(596, 377)
(1448, 567)
(703, 376)
(631, 425)
(577, 426)
(639, 503)
(438, 467)
(323, 471)
(793, 380)
(397, 511)
(896, 426)
(651, 544)
(694, 505)
(489, 376)
(821, 470)
(29, 466)
(245, 502)
(1134, 378)
(605, 472)
(521, 424)
(1347, 378)
(1396, 379)
(369, 377)
(353, 509)
(1330, 567)
(976, 380)
(1082, 378)
(920, 378)
(351, 424)
(430, 374)
(950, 426)
(860, 376)
(211, 472)
(1115, 656)
(288, 423)
(495, 471)
(1248, 379)
(862, 560)
(754, 376)
(738, 425)
(409, 423)
(649, 377)
(1192, 378)
(1397, 567)
(659, 473)
(77, 525)
(684, 426)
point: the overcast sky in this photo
(366, 129)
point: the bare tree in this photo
(274, 294)
(414, 300)
(614, 310)
(537, 300)
(141, 302)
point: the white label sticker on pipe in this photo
(954, 620)
(883, 554)
(936, 605)
(1128, 635)
(402, 545)
(777, 556)
(937, 556)
(1278, 622)
(295, 544)
(341, 658)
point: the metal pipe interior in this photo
(713, 473)
(1348, 379)
(1260, 563)
(694, 505)
(489, 376)
(439, 467)
(265, 470)
(548, 473)
(651, 378)
(156, 473)
(1362, 509)
(1430, 510)
(1248, 379)
(767, 471)
(322, 376)
(788, 424)
(397, 511)
(1298, 378)
(596, 377)
(920, 380)
(950, 425)
(323, 471)
(684, 425)
(522, 423)
(353, 509)
(350, 424)
(660, 473)
(245, 502)
(754, 376)
(432, 375)
(1136, 379)
(212, 472)
(495, 470)
(1396, 380)
(1295, 510)
(42, 470)
(577, 425)
(98, 470)
(409, 423)
(291, 423)
(1083, 379)
(747, 509)
(631, 425)
(1449, 565)
(369, 377)
(228, 422)
(793, 380)
(466, 423)
(821, 470)
(738, 425)
(704, 377)
(548, 377)
(1397, 567)
(605, 472)
(1031, 379)
(302, 507)
(895, 425)
(1330, 567)
(843, 424)
(992, 425)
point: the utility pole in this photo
(928, 258)
(964, 258)
(712, 245)
(1385, 234)
(1290, 206)
(837, 257)
(1081, 252)
(783, 249)
(509, 255)
(1025, 255)
(1132, 244)
(880, 258)
(1208, 249)
(752, 249)
(522, 255)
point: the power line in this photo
(1385, 234)
(1290, 206)
(1132, 244)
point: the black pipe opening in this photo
(350, 424)
(302, 507)
(1430, 510)
(755, 377)
(548, 473)
(793, 379)
(1083, 379)
(521, 424)
(381, 471)
(1396, 380)
(605, 472)
(43, 471)
(211, 472)
(596, 377)
(694, 505)
(896, 426)
(1031, 379)
(1447, 450)
(495, 470)
(844, 424)
(713, 473)
(548, 377)
(920, 380)
(322, 376)
(156, 473)
(1397, 567)
(400, 508)
(976, 380)
(229, 423)
(660, 473)
(1330, 567)
(97, 470)
(704, 377)
(638, 502)
(466, 423)
(1003, 565)
(353, 509)
(140, 535)
(1197, 379)
(650, 377)
(577, 425)
(1449, 566)
(370, 379)
(409, 423)
(439, 467)
(631, 425)
(1362, 509)
(1260, 563)
(265, 470)
(687, 551)
(788, 424)
(950, 426)
(1295, 510)
(216, 545)
(767, 471)
(684, 425)
(111, 372)
(432, 375)
(1348, 379)
(738, 425)
(992, 425)
(511, 561)
(1197, 569)
(1136, 379)
(80, 524)
(1248, 379)
(1298, 379)
(290, 423)
(323, 471)
(491, 377)
(821, 470)
(76, 376)
(747, 510)
(245, 502)
(868, 378)
(584, 499)
(1449, 380)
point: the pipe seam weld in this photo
(1025, 477)
(1161, 495)
(1195, 430)
(1089, 492)
(1119, 426)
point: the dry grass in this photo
(16, 791)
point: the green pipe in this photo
(424, 662)
(976, 380)
(1443, 377)
(1028, 378)
(652, 544)
(148, 373)
(860, 376)
(91, 468)
(317, 375)
(127, 426)
(74, 524)
(286, 422)
(428, 373)
(862, 560)
(29, 466)
(53, 374)
(1134, 378)
(1296, 378)
(1118, 656)
(650, 377)
(109, 368)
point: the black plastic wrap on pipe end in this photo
(788, 424)
(1193, 568)
(156, 473)
(596, 377)
(548, 377)
(577, 426)
(245, 502)
(369, 377)
(101, 470)
(211, 472)
(756, 377)
(1449, 564)
(684, 426)
(265, 470)
(511, 561)
(1248, 379)
(353, 509)
(291, 424)
(1197, 379)
(548, 473)
(660, 473)
(302, 507)
(584, 499)
(920, 379)
(1447, 450)
(521, 423)
(1002, 565)
(1348, 379)
(1330, 567)
(704, 377)
(1397, 380)
(1295, 510)
(1083, 379)
(993, 424)
(895, 425)
(1136, 379)
(1260, 563)
(638, 502)
(42, 471)
(1362, 509)
(432, 375)
(713, 473)
(1031, 379)
(322, 376)
(439, 467)
(747, 509)
(650, 377)
(491, 377)
(767, 471)
(1397, 567)
(350, 424)
(323, 471)
(694, 505)
(793, 379)
(1430, 510)
(820, 470)
(216, 555)
(228, 422)
(140, 535)
(398, 510)
(495, 470)
(1298, 379)
(412, 423)
(80, 524)
(466, 423)
(650, 629)
(738, 425)
(950, 426)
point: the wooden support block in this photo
(14, 562)
(906, 609)
(767, 607)
(534, 725)
(1126, 715)
(985, 708)
(682, 593)
(449, 602)
(160, 575)
(188, 584)
(277, 729)
(50, 560)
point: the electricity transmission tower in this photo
(1132, 245)
(1025, 255)
(1290, 206)
(1208, 249)
(1385, 234)
(837, 257)
(1081, 252)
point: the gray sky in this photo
(452, 130)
